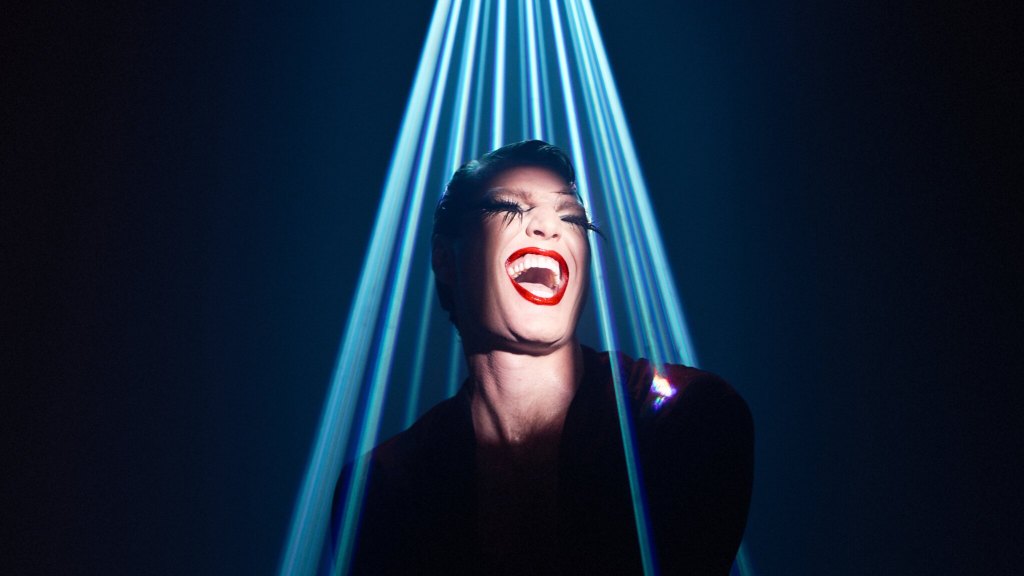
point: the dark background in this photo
(188, 191)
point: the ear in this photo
(443, 260)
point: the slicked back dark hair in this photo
(469, 182)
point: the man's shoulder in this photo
(670, 391)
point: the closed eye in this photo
(509, 209)
(582, 222)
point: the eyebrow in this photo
(523, 194)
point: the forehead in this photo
(533, 183)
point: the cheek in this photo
(478, 263)
(487, 235)
(583, 266)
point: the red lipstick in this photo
(563, 276)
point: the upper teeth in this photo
(528, 261)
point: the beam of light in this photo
(524, 64)
(305, 541)
(385, 352)
(455, 154)
(415, 387)
(671, 321)
(456, 137)
(643, 302)
(454, 359)
(498, 112)
(535, 129)
(642, 296)
(563, 89)
(478, 93)
(668, 294)
(548, 122)
(613, 193)
(603, 309)
(611, 187)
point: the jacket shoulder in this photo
(657, 393)
(416, 448)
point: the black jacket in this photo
(696, 454)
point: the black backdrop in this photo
(187, 194)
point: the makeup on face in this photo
(523, 262)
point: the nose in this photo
(544, 223)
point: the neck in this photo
(519, 399)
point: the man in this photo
(523, 471)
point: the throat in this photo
(514, 438)
(541, 276)
(519, 402)
(540, 282)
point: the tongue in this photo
(538, 289)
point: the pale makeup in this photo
(522, 269)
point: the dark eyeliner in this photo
(582, 222)
(510, 209)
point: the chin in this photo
(542, 339)
(534, 336)
(510, 322)
(546, 332)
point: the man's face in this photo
(521, 270)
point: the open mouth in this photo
(539, 276)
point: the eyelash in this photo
(510, 209)
(513, 210)
(582, 222)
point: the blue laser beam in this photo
(524, 64)
(633, 471)
(669, 295)
(454, 359)
(416, 385)
(478, 93)
(498, 112)
(641, 299)
(309, 520)
(456, 152)
(382, 364)
(456, 137)
(535, 129)
(613, 193)
(671, 321)
(548, 120)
